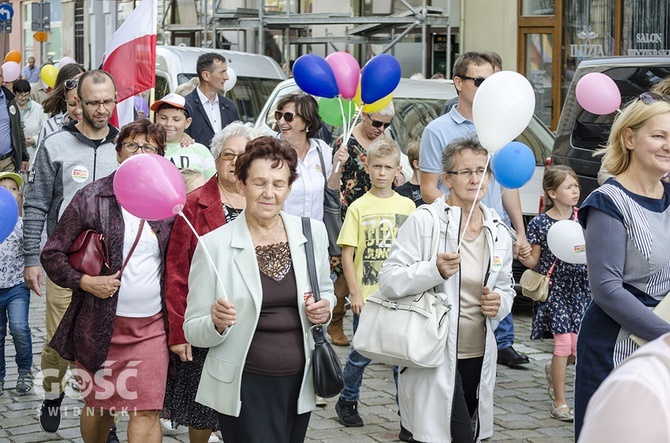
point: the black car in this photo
(580, 133)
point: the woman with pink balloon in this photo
(626, 222)
(116, 320)
(551, 253)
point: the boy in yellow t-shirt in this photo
(366, 237)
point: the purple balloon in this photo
(141, 104)
(314, 75)
(379, 77)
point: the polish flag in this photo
(131, 58)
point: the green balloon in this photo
(334, 111)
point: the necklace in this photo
(230, 202)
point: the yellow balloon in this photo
(48, 75)
(357, 98)
(378, 105)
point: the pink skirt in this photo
(134, 376)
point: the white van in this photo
(257, 75)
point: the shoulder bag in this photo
(332, 211)
(328, 378)
(410, 331)
(89, 252)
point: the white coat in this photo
(426, 395)
(234, 255)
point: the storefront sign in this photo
(656, 38)
(586, 51)
(651, 38)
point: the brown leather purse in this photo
(89, 253)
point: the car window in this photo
(539, 139)
(411, 117)
(591, 131)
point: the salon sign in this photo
(650, 39)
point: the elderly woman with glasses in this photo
(61, 104)
(626, 222)
(32, 114)
(298, 122)
(473, 268)
(217, 202)
(115, 328)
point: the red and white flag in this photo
(131, 58)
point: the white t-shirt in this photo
(306, 196)
(140, 291)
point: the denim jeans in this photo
(14, 303)
(505, 332)
(353, 372)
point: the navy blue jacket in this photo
(201, 129)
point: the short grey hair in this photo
(234, 129)
(470, 142)
(387, 111)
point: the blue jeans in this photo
(505, 332)
(353, 372)
(14, 304)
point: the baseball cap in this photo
(174, 100)
(14, 176)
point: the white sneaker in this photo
(213, 438)
(169, 430)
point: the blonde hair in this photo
(192, 179)
(662, 87)
(383, 147)
(553, 178)
(616, 156)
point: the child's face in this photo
(174, 122)
(567, 194)
(382, 171)
(12, 187)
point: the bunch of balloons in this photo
(339, 75)
(11, 69)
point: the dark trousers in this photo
(468, 375)
(269, 412)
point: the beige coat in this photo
(233, 253)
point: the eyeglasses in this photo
(378, 124)
(467, 173)
(109, 103)
(71, 83)
(132, 147)
(288, 116)
(651, 97)
(476, 80)
(228, 156)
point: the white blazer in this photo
(234, 255)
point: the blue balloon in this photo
(379, 77)
(314, 75)
(9, 213)
(513, 165)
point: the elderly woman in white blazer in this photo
(437, 405)
(258, 371)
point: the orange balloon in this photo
(13, 56)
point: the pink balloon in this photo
(598, 94)
(347, 73)
(150, 187)
(11, 71)
(66, 61)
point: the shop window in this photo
(537, 7)
(645, 33)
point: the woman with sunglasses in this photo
(626, 222)
(61, 104)
(354, 183)
(298, 122)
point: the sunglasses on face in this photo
(476, 80)
(651, 97)
(378, 124)
(71, 83)
(287, 116)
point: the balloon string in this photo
(347, 135)
(472, 208)
(209, 257)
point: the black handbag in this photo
(328, 378)
(332, 211)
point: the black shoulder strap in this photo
(323, 164)
(309, 252)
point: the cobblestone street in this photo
(522, 407)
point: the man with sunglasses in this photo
(470, 70)
(211, 111)
(69, 159)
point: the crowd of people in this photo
(212, 310)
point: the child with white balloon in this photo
(556, 249)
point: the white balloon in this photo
(66, 61)
(232, 79)
(566, 241)
(502, 108)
